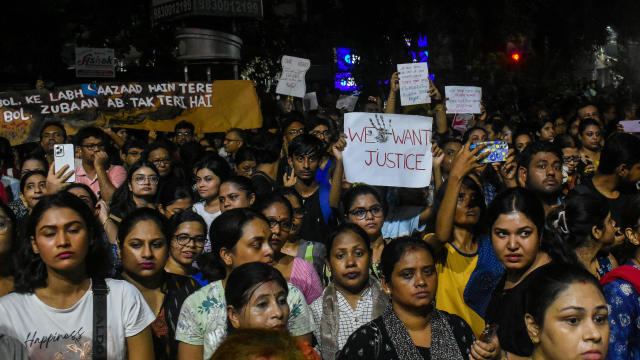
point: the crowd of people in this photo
(252, 244)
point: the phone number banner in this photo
(210, 107)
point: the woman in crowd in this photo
(622, 290)
(188, 235)
(313, 252)
(245, 162)
(242, 236)
(353, 297)
(566, 315)
(521, 140)
(138, 191)
(144, 248)
(29, 163)
(174, 197)
(33, 186)
(515, 221)
(590, 136)
(467, 266)
(8, 248)
(210, 173)
(570, 160)
(236, 192)
(65, 260)
(297, 271)
(410, 326)
(587, 228)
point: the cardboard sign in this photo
(463, 99)
(95, 62)
(388, 149)
(347, 102)
(210, 107)
(414, 84)
(291, 80)
(310, 102)
(461, 122)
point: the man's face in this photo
(589, 111)
(633, 176)
(161, 158)
(51, 135)
(183, 136)
(544, 175)
(560, 126)
(293, 130)
(304, 166)
(131, 156)
(91, 146)
(232, 142)
(322, 133)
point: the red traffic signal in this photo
(515, 57)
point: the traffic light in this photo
(515, 57)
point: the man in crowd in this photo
(131, 151)
(183, 133)
(51, 133)
(540, 170)
(234, 139)
(95, 170)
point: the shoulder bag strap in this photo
(100, 291)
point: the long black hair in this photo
(8, 267)
(393, 252)
(122, 202)
(32, 271)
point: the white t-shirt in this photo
(50, 333)
(208, 217)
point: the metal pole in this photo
(235, 71)
(208, 73)
(186, 72)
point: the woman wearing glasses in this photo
(144, 248)
(186, 243)
(277, 209)
(138, 191)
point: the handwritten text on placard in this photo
(414, 84)
(291, 80)
(463, 99)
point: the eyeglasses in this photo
(285, 225)
(185, 239)
(574, 158)
(93, 147)
(183, 134)
(318, 133)
(160, 162)
(294, 132)
(141, 179)
(361, 213)
(4, 224)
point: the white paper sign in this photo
(291, 80)
(461, 122)
(463, 99)
(414, 84)
(310, 101)
(347, 101)
(388, 149)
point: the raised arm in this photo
(394, 84)
(336, 180)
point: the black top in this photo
(616, 206)
(506, 309)
(313, 226)
(360, 343)
(262, 184)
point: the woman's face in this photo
(507, 134)
(266, 309)
(62, 240)
(187, 242)
(478, 135)
(349, 261)
(176, 206)
(144, 250)
(246, 168)
(144, 182)
(31, 165)
(298, 213)
(607, 235)
(590, 137)
(367, 212)
(34, 190)
(413, 281)
(254, 245)
(547, 132)
(467, 209)
(231, 197)
(280, 224)
(451, 149)
(515, 241)
(207, 184)
(521, 142)
(576, 325)
(83, 195)
(5, 233)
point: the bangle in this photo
(105, 221)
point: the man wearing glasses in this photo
(183, 133)
(234, 139)
(95, 171)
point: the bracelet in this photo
(105, 221)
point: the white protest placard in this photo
(414, 84)
(347, 101)
(463, 99)
(388, 149)
(461, 122)
(291, 80)
(310, 101)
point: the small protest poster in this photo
(388, 149)
(310, 101)
(291, 80)
(463, 99)
(414, 84)
(210, 107)
(347, 102)
(461, 122)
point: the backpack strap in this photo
(100, 290)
